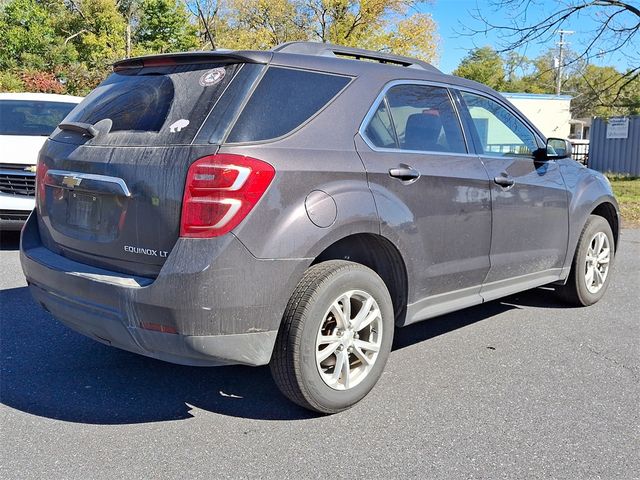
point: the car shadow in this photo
(9, 240)
(51, 371)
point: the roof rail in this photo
(331, 50)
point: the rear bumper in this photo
(212, 304)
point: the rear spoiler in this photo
(183, 58)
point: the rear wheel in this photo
(590, 271)
(335, 337)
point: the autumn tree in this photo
(73, 42)
(261, 24)
(386, 25)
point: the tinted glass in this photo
(424, 119)
(31, 117)
(284, 99)
(500, 132)
(380, 129)
(153, 105)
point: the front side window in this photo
(500, 132)
(416, 118)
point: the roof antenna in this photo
(206, 26)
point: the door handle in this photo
(404, 172)
(504, 180)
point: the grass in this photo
(627, 191)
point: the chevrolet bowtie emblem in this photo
(31, 168)
(71, 181)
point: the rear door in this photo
(111, 180)
(529, 199)
(431, 194)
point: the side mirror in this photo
(558, 148)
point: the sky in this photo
(452, 16)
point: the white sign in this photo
(618, 127)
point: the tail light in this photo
(41, 177)
(219, 193)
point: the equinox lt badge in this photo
(146, 251)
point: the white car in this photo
(26, 120)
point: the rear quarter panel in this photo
(279, 226)
(319, 156)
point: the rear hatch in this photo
(111, 177)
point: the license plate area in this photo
(84, 211)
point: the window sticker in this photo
(179, 125)
(212, 77)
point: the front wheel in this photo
(335, 337)
(591, 268)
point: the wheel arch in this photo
(608, 211)
(380, 255)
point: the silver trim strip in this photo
(18, 173)
(92, 176)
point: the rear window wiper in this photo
(84, 128)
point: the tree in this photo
(261, 24)
(589, 100)
(483, 65)
(617, 27)
(69, 45)
(128, 9)
(29, 36)
(165, 26)
(385, 25)
(72, 43)
(97, 30)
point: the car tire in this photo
(592, 263)
(327, 357)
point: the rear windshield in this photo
(31, 117)
(163, 105)
(284, 100)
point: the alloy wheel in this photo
(597, 262)
(349, 340)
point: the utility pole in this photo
(561, 44)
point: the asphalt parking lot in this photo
(519, 388)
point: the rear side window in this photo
(380, 129)
(417, 118)
(31, 117)
(163, 105)
(284, 100)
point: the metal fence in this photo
(615, 155)
(580, 151)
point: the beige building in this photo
(550, 113)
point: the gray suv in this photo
(293, 207)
